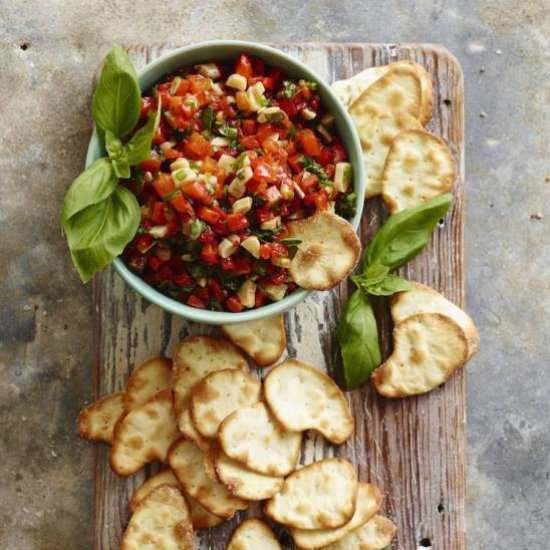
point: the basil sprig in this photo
(99, 217)
(402, 237)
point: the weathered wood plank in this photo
(413, 448)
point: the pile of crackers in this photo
(229, 439)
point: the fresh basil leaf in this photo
(117, 97)
(94, 185)
(98, 234)
(138, 148)
(117, 154)
(405, 234)
(390, 285)
(357, 335)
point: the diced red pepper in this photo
(319, 200)
(249, 127)
(227, 264)
(265, 131)
(195, 301)
(144, 243)
(288, 107)
(150, 165)
(216, 290)
(163, 184)
(243, 266)
(197, 191)
(233, 304)
(197, 146)
(244, 66)
(236, 222)
(209, 254)
(259, 299)
(265, 251)
(198, 83)
(154, 263)
(338, 154)
(184, 279)
(208, 214)
(158, 215)
(183, 87)
(326, 156)
(309, 142)
(295, 163)
(249, 142)
(182, 205)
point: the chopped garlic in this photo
(252, 245)
(272, 225)
(219, 142)
(281, 261)
(227, 247)
(342, 176)
(308, 114)
(227, 162)
(179, 163)
(209, 70)
(237, 81)
(275, 292)
(237, 187)
(242, 206)
(247, 293)
(158, 231)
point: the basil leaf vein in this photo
(357, 335)
(99, 233)
(405, 234)
(94, 185)
(117, 97)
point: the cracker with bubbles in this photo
(319, 496)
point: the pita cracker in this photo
(319, 496)
(369, 499)
(245, 483)
(328, 253)
(97, 421)
(187, 463)
(146, 380)
(427, 349)
(217, 395)
(350, 89)
(376, 534)
(377, 129)
(200, 517)
(302, 397)
(419, 167)
(423, 299)
(197, 356)
(264, 340)
(253, 534)
(161, 520)
(144, 435)
(253, 437)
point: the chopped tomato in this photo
(318, 199)
(158, 214)
(288, 107)
(182, 205)
(236, 222)
(338, 154)
(326, 156)
(260, 299)
(263, 214)
(195, 301)
(183, 87)
(209, 254)
(249, 127)
(198, 83)
(234, 304)
(197, 191)
(144, 243)
(216, 290)
(163, 184)
(154, 263)
(265, 251)
(197, 146)
(262, 170)
(243, 266)
(227, 264)
(265, 131)
(295, 162)
(208, 214)
(310, 144)
(160, 135)
(244, 66)
(172, 154)
(151, 165)
(249, 142)
(184, 279)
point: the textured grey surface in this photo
(48, 52)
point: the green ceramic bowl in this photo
(222, 50)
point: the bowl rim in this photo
(343, 119)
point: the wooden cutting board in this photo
(412, 448)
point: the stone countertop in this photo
(48, 52)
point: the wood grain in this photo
(412, 448)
